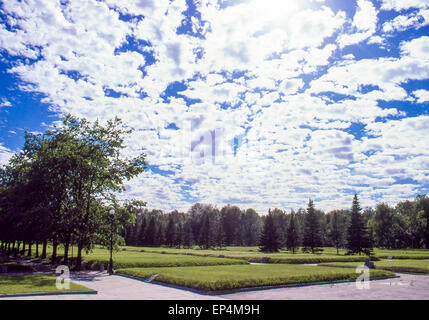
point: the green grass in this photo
(14, 284)
(251, 254)
(402, 265)
(132, 256)
(402, 253)
(241, 276)
(126, 259)
(135, 258)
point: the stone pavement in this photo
(119, 288)
(407, 287)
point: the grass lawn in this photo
(33, 283)
(127, 259)
(251, 254)
(408, 265)
(402, 253)
(240, 276)
(132, 257)
(135, 258)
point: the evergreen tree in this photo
(179, 235)
(336, 233)
(292, 235)
(170, 235)
(206, 236)
(151, 232)
(357, 234)
(160, 235)
(220, 236)
(312, 231)
(142, 233)
(188, 235)
(270, 238)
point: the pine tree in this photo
(357, 234)
(270, 238)
(292, 235)
(220, 236)
(336, 234)
(142, 233)
(160, 235)
(188, 235)
(151, 232)
(312, 230)
(170, 235)
(179, 236)
(205, 238)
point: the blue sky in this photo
(256, 103)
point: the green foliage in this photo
(270, 238)
(292, 240)
(312, 230)
(337, 228)
(357, 234)
(64, 176)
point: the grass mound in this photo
(251, 254)
(216, 278)
(402, 265)
(146, 260)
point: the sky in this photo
(259, 104)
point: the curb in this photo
(228, 291)
(29, 294)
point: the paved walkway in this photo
(120, 288)
(407, 287)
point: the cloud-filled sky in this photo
(256, 103)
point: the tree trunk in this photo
(30, 244)
(37, 249)
(16, 250)
(79, 256)
(54, 251)
(23, 247)
(66, 252)
(45, 244)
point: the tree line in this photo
(402, 226)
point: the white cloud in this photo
(385, 74)
(265, 75)
(399, 5)
(403, 22)
(416, 48)
(364, 23)
(5, 103)
(421, 95)
(5, 155)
